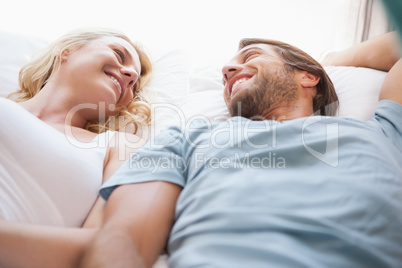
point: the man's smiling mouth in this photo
(235, 85)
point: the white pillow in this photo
(358, 90)
(205, 96)
(15, 51)
(167, 89)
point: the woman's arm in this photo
(379, 53)
(26, 245)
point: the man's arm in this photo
(392, 86)
(138, 220)
(379, 53)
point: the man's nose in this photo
(229, 70)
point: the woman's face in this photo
(103, 72)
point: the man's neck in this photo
(289, 112)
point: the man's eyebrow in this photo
(245, 50)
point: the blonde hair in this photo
(34, 76)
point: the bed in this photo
(181, 93)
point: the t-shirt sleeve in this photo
(389, 115)
(160, 159)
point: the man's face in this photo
(256, 82)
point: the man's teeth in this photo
(116, 82)
(239, 81)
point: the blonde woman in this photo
(60, 141)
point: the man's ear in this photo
(308, 79)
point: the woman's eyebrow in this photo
(126, 52)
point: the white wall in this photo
(210, 28)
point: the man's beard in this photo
(271, 92)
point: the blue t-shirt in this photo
(311, 192)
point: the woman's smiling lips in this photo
(117, 81)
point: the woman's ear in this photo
(309, 79)
(64, 55)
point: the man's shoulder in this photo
(389, 105)
(389, 114)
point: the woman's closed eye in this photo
(120, 55)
